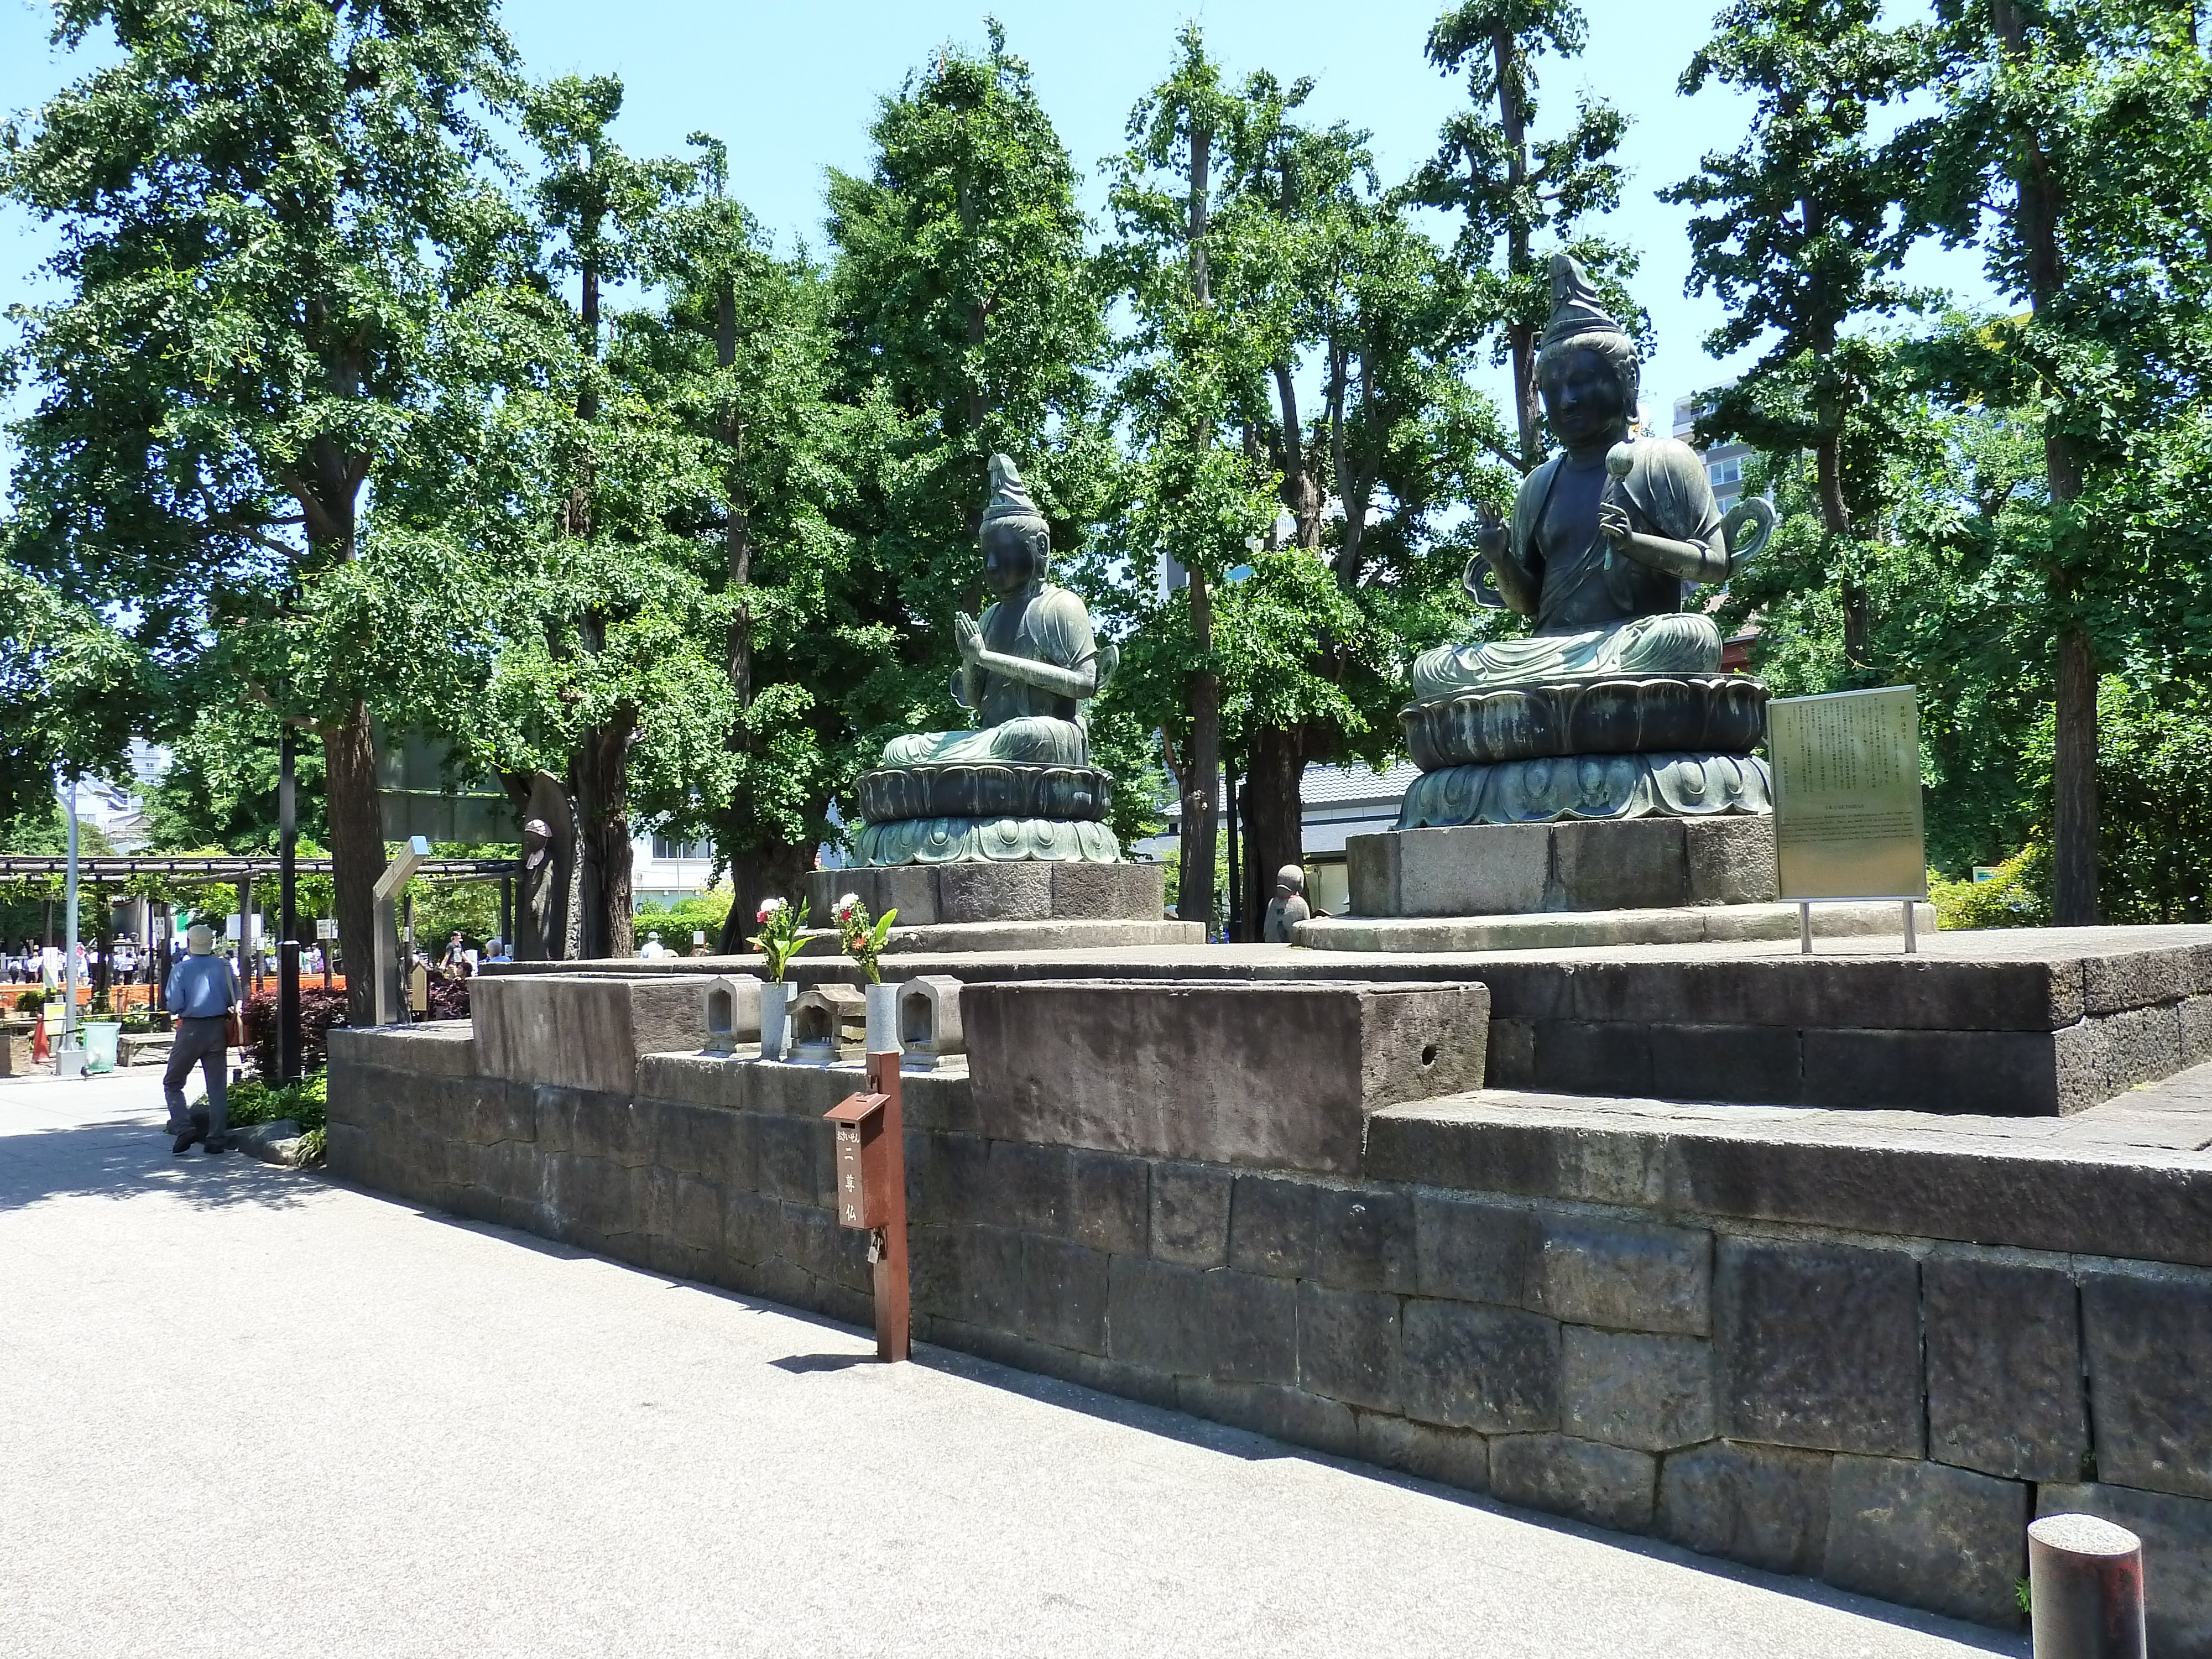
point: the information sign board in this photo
(1847, 807)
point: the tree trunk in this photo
(1274, 822)
(1200, 781)
(757, 873)
(1519, 336)
(356, 851)
(1201, 774)
(2038, 213)
(602, 762)
(2074, 771)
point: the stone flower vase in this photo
(775, 999)
(882, 1019)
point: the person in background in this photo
(496, 950)
(201, 993)
(654, 950)
(456, 963)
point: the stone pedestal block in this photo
(583, 1030)
(1519, 869)
(1268, 1074)
(1034, 889)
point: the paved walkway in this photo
(245, 1412)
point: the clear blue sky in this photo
(792, 88)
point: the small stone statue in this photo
(1603, 537)
(1027, 669)
(1288, 907)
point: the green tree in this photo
(1309, 264)
(2071, 143)
(1800, 239)
(620, 613)
(742, 354)
(1186, 507)
(967, 321)
(1510, 186)
(72, 690)
(258, 205)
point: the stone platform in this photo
(1861, 1346)
(2026, 1023)
(1516, 869)
(1586, 929)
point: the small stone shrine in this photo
(1004, 821)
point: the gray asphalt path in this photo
(243, 1411)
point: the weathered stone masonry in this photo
(1881, 1410)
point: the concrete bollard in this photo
(2085, 1589)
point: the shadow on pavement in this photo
(1220, 1437)
(130, 1159)
(799, 1364)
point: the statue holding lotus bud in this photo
(1615, 705)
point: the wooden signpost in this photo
(871, 1164)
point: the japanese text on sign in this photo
(1847, 807)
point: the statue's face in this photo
(1583, 397)
(1009, 559)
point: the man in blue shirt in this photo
(201, 993)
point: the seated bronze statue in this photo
(1616, 706)
(1020, 785)
(1603, 537)
(1028, 668)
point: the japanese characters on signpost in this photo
(1847, 806)
(870, 1168)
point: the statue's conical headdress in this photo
(1010, 496)
(1575, 307)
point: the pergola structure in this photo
(225, 866)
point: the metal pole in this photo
(249, 964)
(506, 913)
(1804, 930)
(2085, 1589)
(288, 1057)
(68, 930)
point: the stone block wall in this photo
(1880, 1411)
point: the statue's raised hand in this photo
(1614, 526)
(968, 636)
(1490, 534)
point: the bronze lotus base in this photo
(985, 790)
(1589, 786)
(1713, 714)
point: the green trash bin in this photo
(99, 1037)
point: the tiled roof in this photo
(1327, 785)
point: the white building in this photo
(665, 872)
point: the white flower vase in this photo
(882, 1019)
(775, 1001)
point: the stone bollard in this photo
(2085, 1589)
